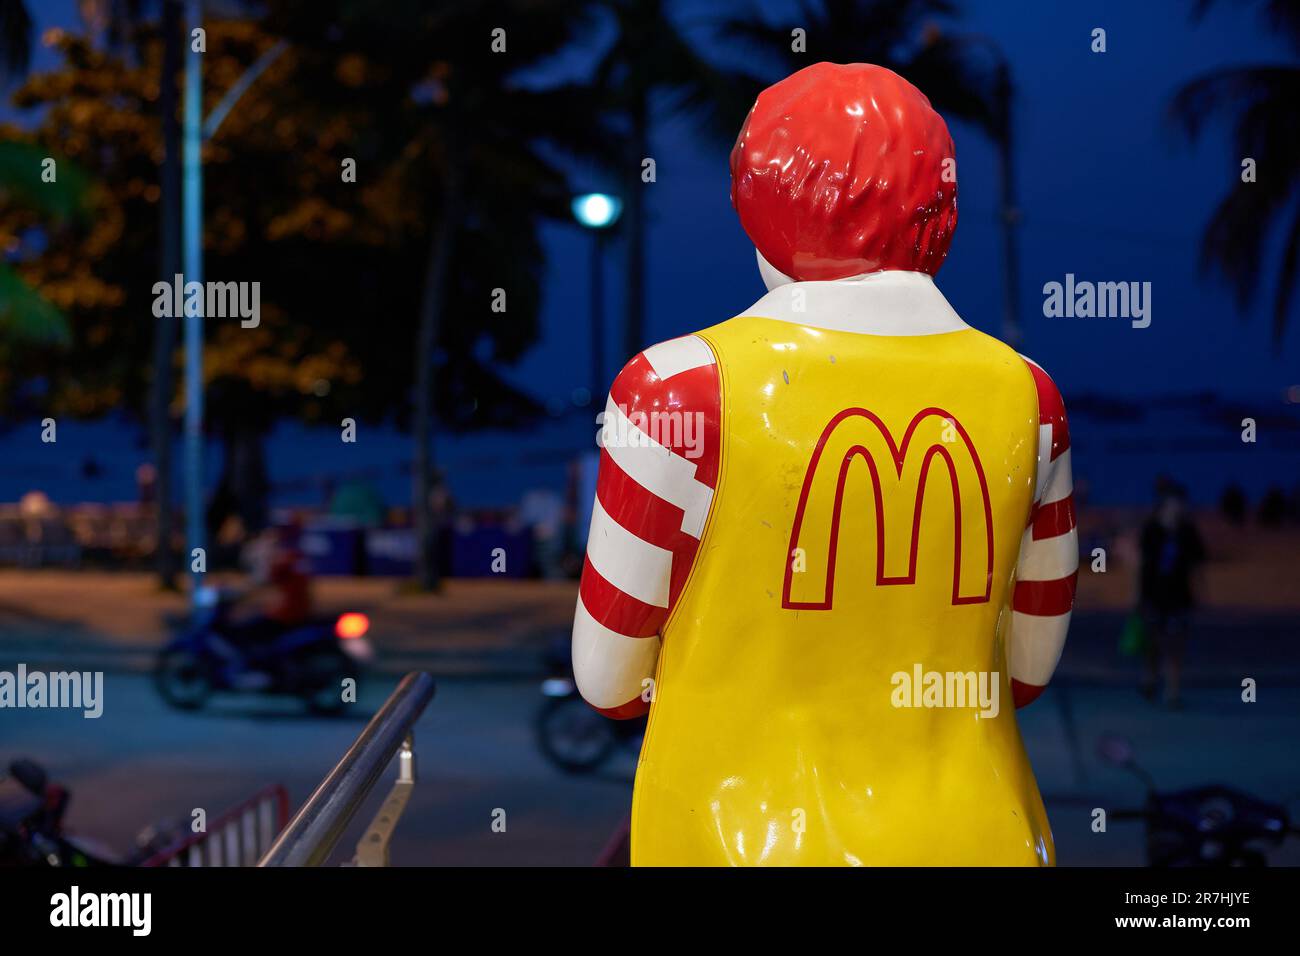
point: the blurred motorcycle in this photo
(32, 833)
(1202, 826)
(310, 662)
(570, 733)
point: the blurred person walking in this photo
(1171, 552)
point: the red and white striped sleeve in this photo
(1049, 555)
(658, 470)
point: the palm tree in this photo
(1261, 103)
(118, 18)
(468, 146)
(650, 63)
(169, 260)
(28, 314)
(480, 134)
(964, 75)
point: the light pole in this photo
(195, 133)
(192, 264)
(1003, 91)
(597, 212)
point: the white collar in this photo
(879, 303)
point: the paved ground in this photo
(141, 762)
(118, 620)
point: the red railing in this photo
(238, 837)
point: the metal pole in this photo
(372, 849)
(598, 383)
(318, 825)
(1011, 326)
(170, 259)
(241, 86)
(192, 264)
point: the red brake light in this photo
(352, 624)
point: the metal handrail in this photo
(312, 834)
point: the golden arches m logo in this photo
(858, 433)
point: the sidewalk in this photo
(118, 620)
(499, 628)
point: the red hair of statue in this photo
(842, 170)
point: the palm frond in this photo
(951, 68)
(1281, 16)
(1287, 279)
(1260, 103)
(1235, 239)
(1232, 90)
(961, 82)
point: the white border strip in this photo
(1048, 559)
(608, 667)
(1060, 483)
(678, 355)
(659, 470)
(1036, 645)
(637, 568)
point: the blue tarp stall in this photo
(474, 550)
(335, 546)
(390, 552)
(332, 546)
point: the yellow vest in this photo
(795, 716)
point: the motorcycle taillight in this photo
(351, 625)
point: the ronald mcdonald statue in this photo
(833, 544)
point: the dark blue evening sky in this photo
(1109, 191)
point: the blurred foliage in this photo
(918, 39)
(25, 315)
(341, 264)
(1261, 103)
(99, 271)
(652, 59)
(21, 167)
(418, 96)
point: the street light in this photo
(597, 212)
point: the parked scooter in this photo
(570, 733)
(310, 662)
(31, 826)
(1202, 826)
